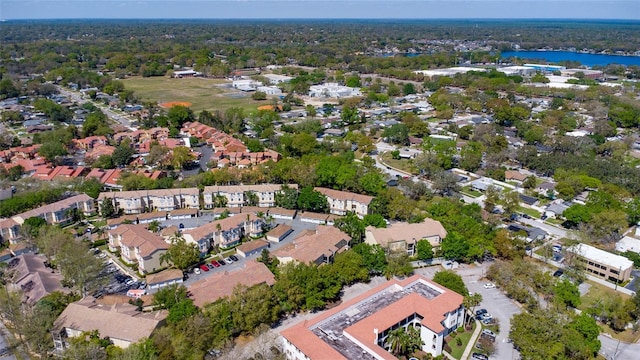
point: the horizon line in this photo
(336, 18)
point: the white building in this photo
(275, 79)
(246, 84)
(333, 90)
(270, 90)
(359, 328)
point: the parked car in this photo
(486, 316)
(479, 356)
(197, 271)
(488, 332)
(558, 273)
(210, 266)
(130, 282)
(228, 260)
(234, 258)
(489, 286)
(481, 311)
(222, 262)
(204, 267)
(215, 263)
(487, 321)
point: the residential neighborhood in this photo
(282, 191)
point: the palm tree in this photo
(470, 303)
(403, 341)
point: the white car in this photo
(196, 271)
(489, 286)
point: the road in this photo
(111, 114)
(4, 344)
(613, 349)
(551, 229)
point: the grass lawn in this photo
(596, 293)
(203, 94)
(456, 351)
(402, 164)
(467, 190)
(530, 212)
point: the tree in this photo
(398, 265)
(510, 202)
(373, 257)
(454, 247)
(408, 89)
(107, 209)
(181, 254)
(33, 225)
(404, 341)
(312, 200)
(78, 266)
(175, 298)
(492, 198)
(424, 250)
(287, 197)
(180, 156)
(52, 150)
(567, 293)
(259, 95)
(122, 154)
(96, 123)
(8, 89)
(397, 134)
(352, 226)
(470, 302)
(451, 281)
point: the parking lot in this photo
(191, 277)
(113, 280)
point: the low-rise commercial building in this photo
(601, 263)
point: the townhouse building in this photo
(341, 202)
(139, 246)
(403, 237)
(139, 201)
(60, 212)
(9, 231)
(317, 246)
(225, 233)
(263, 195)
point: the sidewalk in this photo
(472, 340)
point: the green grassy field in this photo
(204, 94)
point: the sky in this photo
(320, 9)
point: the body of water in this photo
(584, 59)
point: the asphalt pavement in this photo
(6, 352)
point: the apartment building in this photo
(403, 237)
(138, 245)
(341, 202)
(244, 195)
(139, 201)
(359, 328)
(225, 233)
(317, 246)
(61, 212)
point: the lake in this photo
(584, 59)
